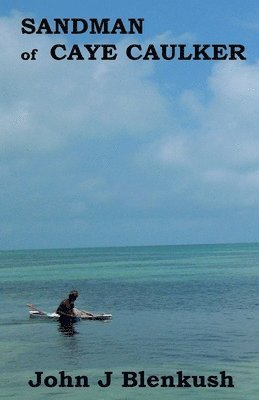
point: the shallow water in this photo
(175, 308)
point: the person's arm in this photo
(65, 314)
(63, 309)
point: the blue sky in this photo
(129, 153)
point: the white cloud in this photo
(46, 103)
(171, 163)
(219, 158)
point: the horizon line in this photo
(129, 246)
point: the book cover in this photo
(129, 173)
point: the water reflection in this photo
(66, 326)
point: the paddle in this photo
(36, 309)
(83, 313)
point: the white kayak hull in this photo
(55, 317)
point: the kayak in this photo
(80, 315)
(43, 315)
(55, 317)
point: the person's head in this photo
(73, 295)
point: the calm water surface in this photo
(189, 308)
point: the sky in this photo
(118, 153)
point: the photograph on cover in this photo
(129, 168)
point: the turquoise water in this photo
(175, 308)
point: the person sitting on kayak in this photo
(66, 307)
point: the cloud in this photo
(98, 153)
(218, 160)
(46, 104)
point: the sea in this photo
(177, 311)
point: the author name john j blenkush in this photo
(130, 379)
